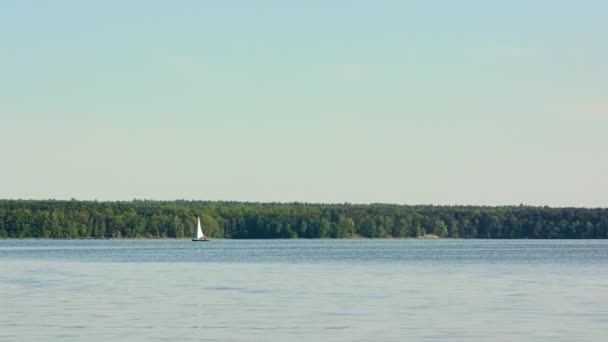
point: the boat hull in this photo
(201, 240)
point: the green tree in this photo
(440, 228)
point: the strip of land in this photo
(244, 220)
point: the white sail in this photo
(199, 232)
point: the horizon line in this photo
(298, 202)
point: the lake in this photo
(303, 290)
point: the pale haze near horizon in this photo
(416, 102)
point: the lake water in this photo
(303, 290)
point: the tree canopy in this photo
(238, 220)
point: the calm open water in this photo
(303, 290)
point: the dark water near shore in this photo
(298, 290)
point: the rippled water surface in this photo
(303, 290)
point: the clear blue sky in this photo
(459, 102)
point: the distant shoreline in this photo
(245, 220)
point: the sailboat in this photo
(198, 233)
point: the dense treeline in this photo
(85, 219)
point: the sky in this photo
(408, 102)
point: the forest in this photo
(57, 219)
